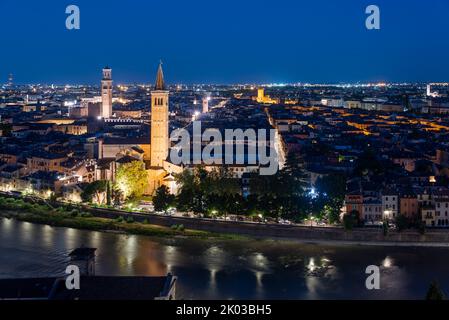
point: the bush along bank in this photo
(75, 218)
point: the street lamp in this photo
(311, 220)
(387, 214)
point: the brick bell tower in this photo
(159, 121)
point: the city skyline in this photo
(240, 151)
(150, 82)
(246, 42)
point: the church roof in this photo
(160, 84)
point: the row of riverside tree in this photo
(283, 195)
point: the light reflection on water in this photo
(228, 269)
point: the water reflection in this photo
(387, 262)
(228, 269)
(26, 229)
(6, 225)
(47, 236)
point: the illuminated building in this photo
(206, 104)
(260, 94)
(429, 92)
(159, 121)
(262, 98)
(106, 93)
(153, 151)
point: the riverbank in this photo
(102, 219)
(78, 219)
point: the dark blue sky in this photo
(228, 41)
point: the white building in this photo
(335, 103)
(390, 205)
(441, 199)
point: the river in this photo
(233, 269)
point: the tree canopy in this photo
(162, 200)
(132, 179)
(95, 192)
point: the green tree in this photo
(331, 189)
(350, 220)
(95, 192)
(249, 205)
(132, 179)
(162, 200)
(292, 177)
(282, 194)
(108, 193)
(385, 228)
(192, 186)
(221, 181)
(205, 192)
(402, 222)
(434, 292)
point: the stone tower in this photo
(106, 93)
(159, 121)
(260, 94)
(206, 104)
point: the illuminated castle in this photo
(262, 98)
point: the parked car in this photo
(171, 211)
(15, 193)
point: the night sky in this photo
(229, 41)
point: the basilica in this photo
(152, 150)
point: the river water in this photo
(234, 269)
